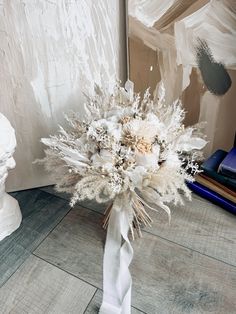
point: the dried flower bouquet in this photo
(128, 150)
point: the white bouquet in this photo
(132, 151)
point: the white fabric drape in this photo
(118, 254)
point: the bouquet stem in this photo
(106, 217)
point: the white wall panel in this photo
(50, 53)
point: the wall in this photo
(218, 112)
(50, 53)
(224, 126)
(150, 42)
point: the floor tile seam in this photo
(195, 197)
(32, 254)
(189, 248)
(90, 301)
(23, 261)
(77, 205)
(205, 201)
(73, 275)
(132, 305)
(64, 270)
(149, 232)
(31, 250)
(136, 308)
(51, 230)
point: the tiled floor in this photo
(53, 262)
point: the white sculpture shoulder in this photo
(10, 214)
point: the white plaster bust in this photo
(10, 214)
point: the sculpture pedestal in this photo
(10, 215)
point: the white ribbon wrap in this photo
(118, 254)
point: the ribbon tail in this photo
(118, 255)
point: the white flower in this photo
(142, 129)
(116, 113)
(149, 160)
(103, 160)
(186, 142)
(137, 176)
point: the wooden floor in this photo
(53, 262)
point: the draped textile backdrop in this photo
(50, 53)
